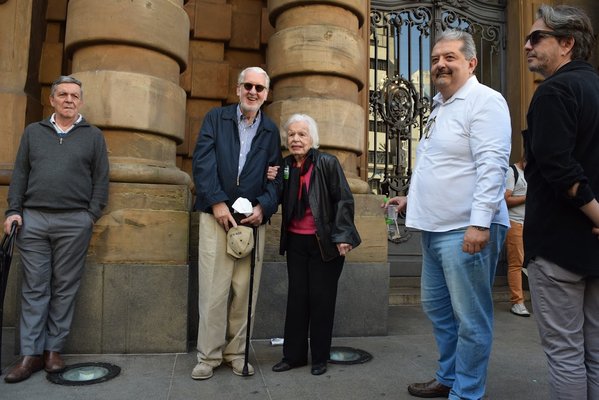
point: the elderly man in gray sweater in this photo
(58, 189)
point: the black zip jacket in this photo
(216, 159)
(331, 202)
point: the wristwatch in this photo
(480, 228)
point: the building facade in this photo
(151, 69)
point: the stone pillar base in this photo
(126, 309)
(362, 300)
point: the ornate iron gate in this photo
(401, 37)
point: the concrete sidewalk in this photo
(407, 354)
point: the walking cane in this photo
(245, 371)
(8, 244)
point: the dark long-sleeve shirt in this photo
(562, 148)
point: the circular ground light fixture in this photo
(348, 355)
(85, 374)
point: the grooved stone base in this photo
(362, 301)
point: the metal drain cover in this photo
(348, 355)
(85, 374)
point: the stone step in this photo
(406, 291)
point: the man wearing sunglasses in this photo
(561, 228)
(235, 147)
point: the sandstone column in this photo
(21, 35)
(129, 55)
(316, 60)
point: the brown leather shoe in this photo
(53, 362)
(429, 389)
(23, 370)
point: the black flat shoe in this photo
(319, 369)
(282, 366)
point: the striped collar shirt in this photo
(247, 132)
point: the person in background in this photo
(561, 229)
(58, 190)
(235, 146)
(317, 232)
(456, 201)
(515, 197)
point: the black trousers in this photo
(310, 301)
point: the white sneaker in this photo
(237, 365)
(520, 310)
(202, 371)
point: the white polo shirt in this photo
(459, 178)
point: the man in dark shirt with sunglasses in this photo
(235, 146)
(562, 213)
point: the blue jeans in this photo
(457, 298)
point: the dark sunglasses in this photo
(536, 36)
(248, 86)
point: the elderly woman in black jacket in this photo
(317, 232)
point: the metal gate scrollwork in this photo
(399, 105)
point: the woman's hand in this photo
(344, 248)
(271, 172)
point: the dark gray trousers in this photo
(53, 247)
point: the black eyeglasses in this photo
(248, 86)
(536, 36)
(429, 127)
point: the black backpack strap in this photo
(516, 174)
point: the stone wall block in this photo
(145, 309)
(195, 112)
(140, 148)
(318, 14)
(266, 29)
(321, 49)
(212, 21)
(340, 122)
(357, 7)
(209, 80)
(126, 58)
(190, 9)
(148, 196)
(161, 25)
(130, 309)
(56, 10)
(13, 108)
(54, 32)
(134, 101)
(141, 236)
(206, 50)
(246, 20)
(319, 86)
(15, 23)
(51, 62)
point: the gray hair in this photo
(468, 47)
(65, 79)
(258, 70)
(312, 127)
(572, 22)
